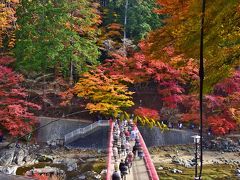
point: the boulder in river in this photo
(8, 169)
(176, 171)
(6, 156)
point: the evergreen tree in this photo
(140, 16)
(56, 33)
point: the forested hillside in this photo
(118, 57)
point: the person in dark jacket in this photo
(116, 175)
(123, 149)
(135, 148)
(137, 144)
(140, 152)
(128, 164)
(123, 169)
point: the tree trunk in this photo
(71, 73)
(125, 28)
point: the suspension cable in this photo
(201, 75)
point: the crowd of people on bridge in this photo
(125, 147)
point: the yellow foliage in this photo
(7, 21)
(149, 122)
(106, 95)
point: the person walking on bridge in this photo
(115, 152)
(127, 146)
(129, 160)
(134, 150)
(123, 169)
(140, 152)
(116, 175)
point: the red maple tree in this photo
(219, 106)
(146, 112)
(15, 115)
(140, 68)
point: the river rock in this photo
(93, 175)
(185, 163)
(69, 162)
(81, 177)
(46, 170)
(103, 172)
(44, 158)
(6, 156)
(92, 159)
(72, 166)
(176, 171)
(188, 163)
(176, 160)
(238, 172)
(27, 159)
(19, 157)
(222, 144)
(8, 169)
(168, 155)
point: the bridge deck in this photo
(138, 170)
(142, 169)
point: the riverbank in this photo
(74, 163)
(176, 163)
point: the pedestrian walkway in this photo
(138, 170)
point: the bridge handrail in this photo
(86, 129)
(148, 161)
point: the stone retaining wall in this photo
(154, 137)
(58, 129)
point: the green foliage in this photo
(140, 17)
(55, 33)
(222, 39)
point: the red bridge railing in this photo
(148, 161)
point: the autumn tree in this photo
(142, 69)
(146, 112)
(182, 29)
(110, 39)
(8, 24)
(221, 108)
(15, 111)
(106, 94)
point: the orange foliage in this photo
(176, 9)
(107, 95)
(7, 21)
